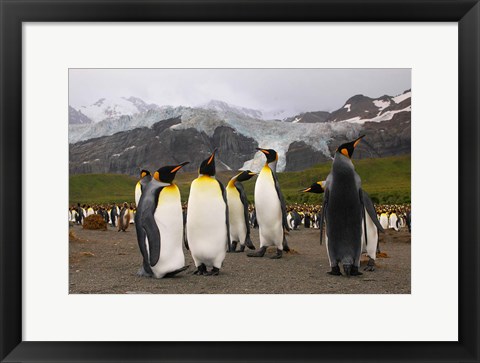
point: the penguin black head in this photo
(166, 174)
(207, 167)
(270, 154)
(144, 173)
(317, 188)
(348, 148)
(245, 175)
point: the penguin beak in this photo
(305, 190)
(357, 141)
(178, 167)
(212, 156)
(252, 174)
(262, 150)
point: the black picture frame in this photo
(13, 13)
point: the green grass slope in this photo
(387, 180)
(101, 188)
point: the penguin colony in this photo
(217, 220)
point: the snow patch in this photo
(347, 106)
(384, 117)
(297, 120)
(402, 97)
(224, 165)
(130, 148)
(381, 104)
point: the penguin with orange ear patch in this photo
(343, 212)
(270, 208)
(238, 211)
(159, 225)
(208, 229)
(145, 178)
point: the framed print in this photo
(162, 125)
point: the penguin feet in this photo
(201, 270)
(370, 265)
(214, 272)
(335, 271)
(351, 270)
(249, 244)
(259, 253)
(233, 247)
(242, 248)
(142, 273)
(173, 273)
(278, 255)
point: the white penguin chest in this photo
(267, 203)
(168, 214)
(235, 206)
(206, 207)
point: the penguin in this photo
(343, 212)
(124, 218)
(384, 219)
(238, 212)
(159, 224)
(371, 224)
(113, 214)
(90, 211)
(270, 208)
(207, 220)
(393, 221)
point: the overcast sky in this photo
(294, 90)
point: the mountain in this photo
(105, 109)
(150, 147)
(161, 135)
(77, 117)
(225, 108)
(310, 117)
(360, 109)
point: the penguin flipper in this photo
(323, 214)
(244, 200)
(282, 202)
(368, 205)
(141, 237)
(224, 195)
(153, 235)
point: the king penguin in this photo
(159, 225)
(343, 212)
(238, 212)
(145, 178)
(270, 208)
(207, 220)
(370, 223)
(124, 218)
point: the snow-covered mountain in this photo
(360, 109)
(77, 117)
(230, 126)
(111, 108)
(225, 108)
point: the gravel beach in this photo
(106, 262)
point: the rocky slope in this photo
(162, 135)
(149, 148)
